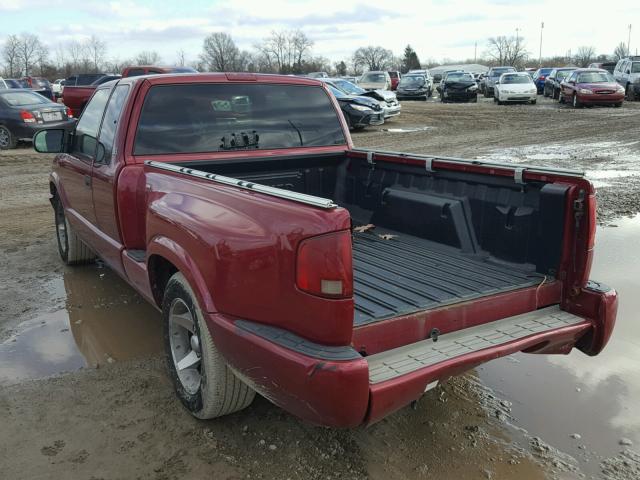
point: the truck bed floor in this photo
(406, 274)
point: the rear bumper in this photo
(333, 386)
(26, 131)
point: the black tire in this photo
(219, 391)
(533, 102)
(7, 139)
(617, 105)
(499, 102)
(629, 95)
(73, 251)
(575, 102)
(555, 94)
(474, 99)
(486, 93)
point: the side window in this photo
(572, 78)
(84, 142)
(110, 124)
(135, 72)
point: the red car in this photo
(338, 283)
(591, 86)
(395, 79)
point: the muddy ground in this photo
(114, 415)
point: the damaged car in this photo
(459, 87)
(387, 99)
(359, 112)
(414, 86)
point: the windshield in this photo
(374, 78)
(516, 79)
(20, 99)
(496, 72)
(412, 81)
(563, 74)
(635, 67)
(348, 87)
(41, 82)
(595, 77)
(193, 118)
(460, 77)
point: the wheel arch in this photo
(166, 257)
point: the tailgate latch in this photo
(435, 333)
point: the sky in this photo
(435, 29)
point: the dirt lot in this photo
(114, 415)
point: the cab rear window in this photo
(197, 118)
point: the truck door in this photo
(75, 171)
(104, 173)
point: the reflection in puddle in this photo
(104, 321)
(597, 398)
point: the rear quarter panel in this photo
(242, 246)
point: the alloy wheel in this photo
(185, 346)
(5, 137)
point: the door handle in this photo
(87, 180)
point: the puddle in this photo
(406, 130)
(104, 321)
(583, 405)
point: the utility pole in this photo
(540, 56)
(475, 52)
(629, 43)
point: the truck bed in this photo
(455, 237)
(405, 274)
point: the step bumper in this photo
(399, 376)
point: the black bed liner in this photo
(406, 274)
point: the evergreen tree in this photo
(410, 60)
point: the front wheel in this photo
(73, 251)
(203, 381)
(576, 102)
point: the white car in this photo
(57, 87)
(515, 87)
(627, 74)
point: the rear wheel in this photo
(203, 381)
(7, 139)
(73, 251)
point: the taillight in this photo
(324, 265)
(541, 77)
(27, 117)
(69, 112)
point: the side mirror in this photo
(49, 141)
(497, 82)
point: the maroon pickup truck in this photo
(339, 283)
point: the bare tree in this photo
(285, 51)
(96, 49)
(219, 52)
(507, 50)
(620, 51)
(147, 57)
(11, 55)
(373, 58)
(301, 46)
(180, 55)
(584, 56)
(31, 51)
